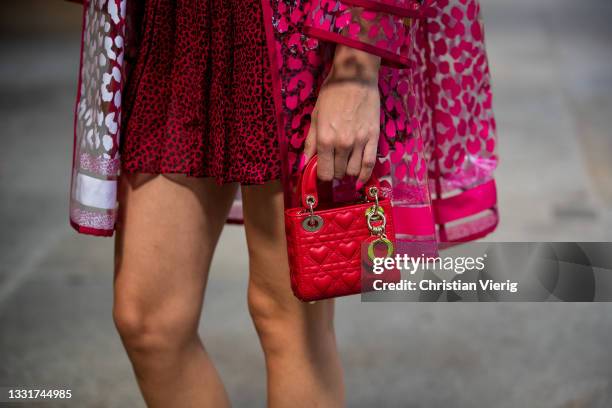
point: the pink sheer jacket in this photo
(437, 148)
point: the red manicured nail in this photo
(302, 162)
(359, 185)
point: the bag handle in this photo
(307, 185)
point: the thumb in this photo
(310, 144)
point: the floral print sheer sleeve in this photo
(380, 27)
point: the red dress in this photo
(199, 99)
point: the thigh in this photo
(168, 227)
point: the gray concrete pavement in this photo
(551, 64)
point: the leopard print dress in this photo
(199, 99)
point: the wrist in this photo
(351, 63)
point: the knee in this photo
(283, 322)
(266, 312)
(151, 333)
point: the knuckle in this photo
(324, 143)
(361, 138)
(352, 171)
(368, 164)
(345, 143)
(325, 175)
(374, 130)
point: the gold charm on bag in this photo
(377, 223)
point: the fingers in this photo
(368, 161)
(325, 151)
(342, 151)
(341, 155)
(334, 152)
(310, 144)
(353, 168)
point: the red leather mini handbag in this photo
(329, 245)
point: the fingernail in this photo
(302, 162)
(359, 185)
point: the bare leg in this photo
(298, 338)
(168, 229)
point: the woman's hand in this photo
(345, 123)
